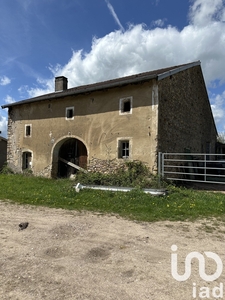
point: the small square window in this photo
(124, 149)
(27, 130)
(126, 105)
(69, 113)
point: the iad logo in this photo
(204, 292)
(201, 260)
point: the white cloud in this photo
(8, 99)
(35, 92)
(139, 49)
(3, 126)
(218, 112)
(112, 11)
(44, 87)
(218, 107)
(203, 12)
(159, 22)
(4, 80)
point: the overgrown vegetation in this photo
(6, 170)
(178, 204)
(134, 174)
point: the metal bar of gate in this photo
(205, 178)
(198, 167)
(163, 155)
(159, 164)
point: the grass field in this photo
(178, 204)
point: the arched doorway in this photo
(70, 153)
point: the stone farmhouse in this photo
(101, 125)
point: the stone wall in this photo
(105, 166)
(185, 116)
(10, 156)
(14, 153)
(95, 165)
(46, 172)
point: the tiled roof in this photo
(157, 74)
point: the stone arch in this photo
(70, 149)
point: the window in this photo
(27, 160)
(27, 130)
(126, 105)
(124, 149)
(69, 113)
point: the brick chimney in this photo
(60, 83)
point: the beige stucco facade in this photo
(110, 123)
(97, 123)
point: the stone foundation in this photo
(46, 172)
(105, 166)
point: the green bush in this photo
(135, 174)
(28, 172)
(6, 170)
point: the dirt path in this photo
(73, 255)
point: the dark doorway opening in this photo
(27, 160)
(74, 151)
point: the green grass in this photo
(179, 204)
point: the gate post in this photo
(159, 168)
(159, 164)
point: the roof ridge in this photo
(158, 74)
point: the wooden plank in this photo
(72, 165)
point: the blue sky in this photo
(94, 40)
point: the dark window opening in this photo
(126, 106)
(27, 158)
(69, 113)
(28, 130)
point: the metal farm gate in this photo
(193, 167)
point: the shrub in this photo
(6, 170)
(28, 172)
(136, 174)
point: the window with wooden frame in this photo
(124, 149)
(126, 105)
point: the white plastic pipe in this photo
(155, 192)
